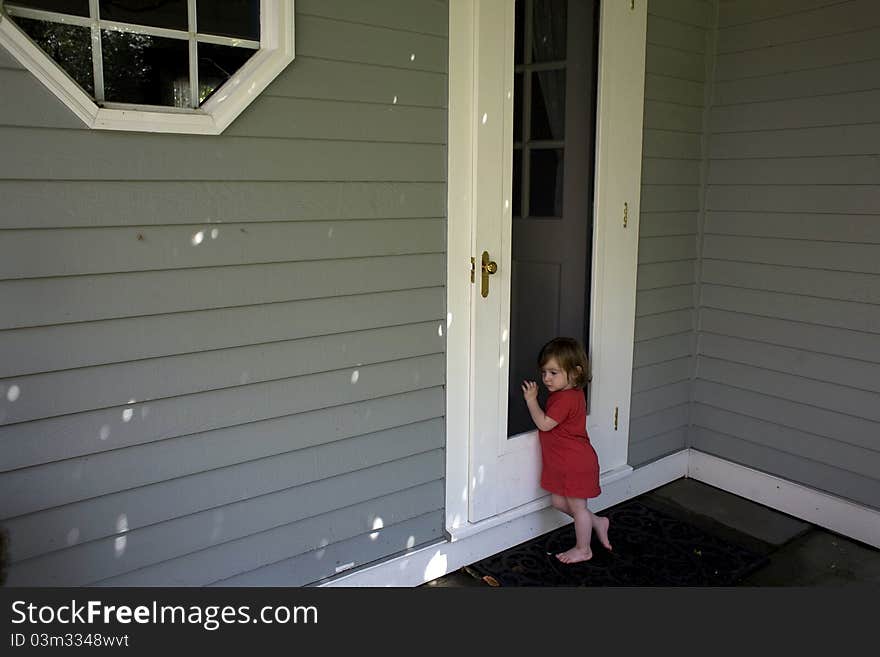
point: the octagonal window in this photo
(159, 65)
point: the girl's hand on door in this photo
(530, 390)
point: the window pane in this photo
(70, 46)
(217, 64)
(234, 18)
(549, 30)
(548, 105)
(545, 182)
(516, 209)
(156, 13)
(75, 7)
(144, 69)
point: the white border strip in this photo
(429, 563)
(837, 514)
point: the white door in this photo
(493, 469)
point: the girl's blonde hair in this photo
(570, 356)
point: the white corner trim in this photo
(424, 564)
(215, 115)
(819, 508)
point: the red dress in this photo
(570, 466)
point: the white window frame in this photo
(276, 51)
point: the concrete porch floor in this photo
(799, 553)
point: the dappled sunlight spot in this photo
(504, 335)
(127, 415)
(473, 483)
(440, 330)
(464, 494)
(509, 95)
(330, 233)
(198, 238)
(72, 536)
(412, 57)
(120, 542)
(104, 433)
(378, 523)
(13, 393)
(506, 204)
(456, 521)
(501, 361)
(436, 567)
(215, 233)
(394, 102)
(403, 564)
(410, 542)
(481, 474)
(355, 376)
(322, 545)
(448, 320)
(485, 118)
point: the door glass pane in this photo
(548, 105)
(144, 69)
(172, 14)
(517, 108)
(545, 182)
(519, 30)
(549, 22)
(516, 209)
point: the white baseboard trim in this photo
(425, 564)
(816, 507)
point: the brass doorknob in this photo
(488, 267)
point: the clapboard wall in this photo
(788, 378)
(677, 58)
(220, 360)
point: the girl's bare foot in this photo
(601, 528)
(575, 555)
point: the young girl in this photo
(570, 467)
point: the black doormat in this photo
(650, 548)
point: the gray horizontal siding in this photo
(243, 522)
(676, 67)
(43, 349)
(789, 318)
(79, 251)
(182, 157)
(226, 352)
(101, 204)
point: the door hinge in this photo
(625, 214)
(473, 266)
(615, 418)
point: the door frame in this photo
(617, 192)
